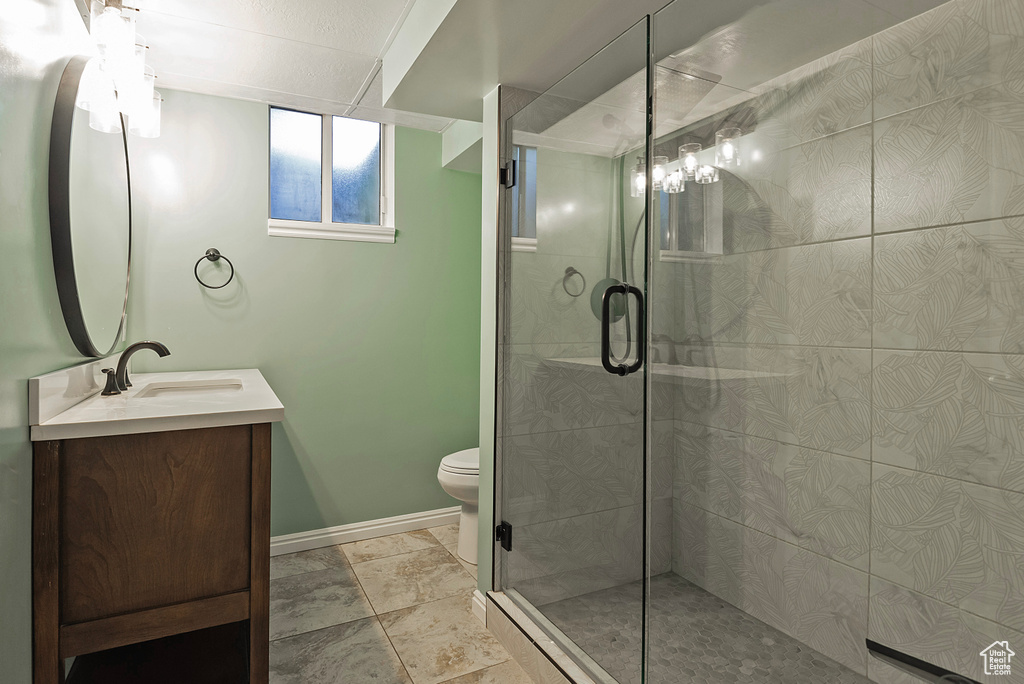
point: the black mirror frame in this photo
(60, 212)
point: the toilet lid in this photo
(465, 461)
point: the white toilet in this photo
(459, 475)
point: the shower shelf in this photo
(673, 373)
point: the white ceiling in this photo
(322, 55)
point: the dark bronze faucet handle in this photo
(111, 388)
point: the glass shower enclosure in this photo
(761, 359)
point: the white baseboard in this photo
(480, 606)
(342, 534)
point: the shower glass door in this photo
(571, 429)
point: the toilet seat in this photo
(465, 462)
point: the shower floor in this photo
(697, 638)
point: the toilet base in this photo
(468, 525)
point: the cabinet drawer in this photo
(153, 519)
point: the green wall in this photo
(34, 45)
(372, 348)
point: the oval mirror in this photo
(90, 220)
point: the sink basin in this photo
(185, 389)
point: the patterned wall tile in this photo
(817, 397)
(574, 204)
(830, 94)
(958, 415)
(555, 560)
(812, 295)
(818, 601)
(933, 631)
(957, 542)
(540, 396)
(958, 288)
(553, 475)
(812, 499)
(816, 191)
(541, 311)
(953, 50)
(953, 161)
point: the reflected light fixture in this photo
(674, 182)
(727, 148)
(688, 156)
(658, 172)
(638, 184)
(706, 174)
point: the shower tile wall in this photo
(572, 452)
(866, 477)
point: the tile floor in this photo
(390, 610)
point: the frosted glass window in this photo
(296, 147)
(355, 179)
(524, 208)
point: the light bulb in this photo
(727, 148)
(658, 172)
(113, 33)
(688, 153)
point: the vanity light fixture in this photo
(727, 148)
(118, 81)
(688, 156)
(658, 172)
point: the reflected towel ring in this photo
(214, 254)
(569, 273)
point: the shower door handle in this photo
(606, 324)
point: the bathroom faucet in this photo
(117, 381)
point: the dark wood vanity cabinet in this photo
(137, 538)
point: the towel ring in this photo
(214, 254)
(569, 273)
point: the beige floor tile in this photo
(353, 652)
(412, 578)
(508, 672)
(448, 535)
(306, 561)
(314, 600)
(391, 545)
(441, 640)
(470, 568)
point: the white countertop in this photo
(160, 402)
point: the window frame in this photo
(325, 229)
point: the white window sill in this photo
(352, 232)
(524, 244)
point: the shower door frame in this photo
(511, 101)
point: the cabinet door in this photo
(153, 519)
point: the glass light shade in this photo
(727, 147)
(706, 174)
(104, 115)
(688, 154)
(113, 32)
(658, 172)
(674, 182)
(136, 95)
(638, 180)
(92, 79)
(145, 123)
